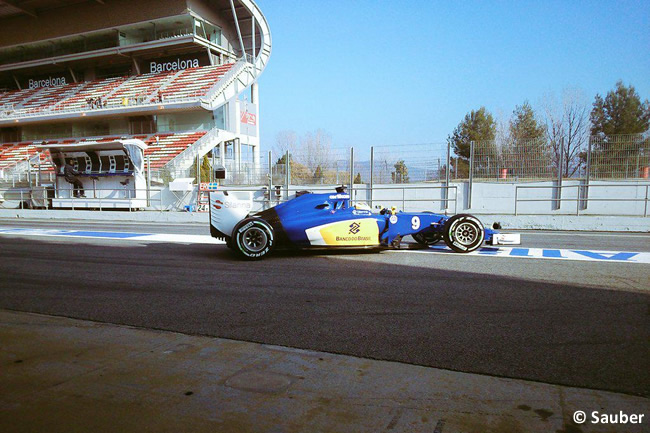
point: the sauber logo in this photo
(355, 227)
(231, 205)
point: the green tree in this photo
(524, 124)
(206, 168)
(318, 175)
(477, 125)
(617, 123)
(357, 178)
(527, 151)
(621, 112)
(401, 173)
(299, 172)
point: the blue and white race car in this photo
(330, 221)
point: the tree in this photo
(567, 129)
(477, 125)
(206, 169)
(621, 112)
(617, 123)
(524, 125)
(316, 150)
(318, 175)
(299, 173)
(526, 150)
(401, 173)
(357, 178)
(285, 141)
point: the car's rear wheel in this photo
(463, 233)
(253, 238)
(431, 238)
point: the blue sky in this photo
(395, 72)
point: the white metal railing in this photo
(25, 197)
(225, 80)
(146, 102)
(112, 106)
(210, 135)
(582, 197)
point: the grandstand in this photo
(181, 75)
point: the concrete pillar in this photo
(222, 154)
(255, 99)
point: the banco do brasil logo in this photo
(355, 227)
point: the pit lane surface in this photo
(576, 323)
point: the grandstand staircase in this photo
(152, 96)
(70, 92)
(29, 99)
(240, 76)
(117, 88)
(202, 146)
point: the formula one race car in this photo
(329, 220)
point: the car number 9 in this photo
(415, 223)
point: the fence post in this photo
(148, 181)
(287, 171)
(471, 174)
(558, 202)
(372, 172)
(447, 173)
(351, 171)
(198, 169)
(270, 176)
(516, 193)
(585, 195)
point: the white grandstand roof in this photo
(93, 145)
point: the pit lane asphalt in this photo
(583, 324)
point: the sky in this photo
(397, 72)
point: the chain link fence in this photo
(599, 158)
(619, 157)
(513, 159)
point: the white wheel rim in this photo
(466, 233)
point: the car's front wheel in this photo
(253, 238)
(463, 233)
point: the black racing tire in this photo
(431, 238)
(463, 233)
(252, 238)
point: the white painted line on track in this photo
(508, 252)
(92, 234)
(546, 253)
(599, 235)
